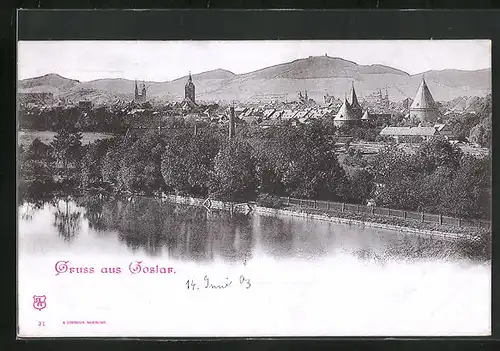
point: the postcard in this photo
(254, 188)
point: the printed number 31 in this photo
(41, 323)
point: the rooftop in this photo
(409, 131)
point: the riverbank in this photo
(362, 220)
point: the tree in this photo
(439, 178)
(361, 186)
(234, 177)
(481, 134)
(437, 152)
(35, 175)
(354, 158)
(187, 160)
(92, 162)
(139, 167)
(66, 148)
(308, 165)
(468, 194)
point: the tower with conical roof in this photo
(366, 116)
(189, 90)
(424, 109)
(346, 115)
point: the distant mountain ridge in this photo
(319, 75)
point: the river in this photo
(287, 276)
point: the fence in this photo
(388, 212)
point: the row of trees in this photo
(292, 161)
(438, 178)
(296, 161)
(475, 123)
(99, 119)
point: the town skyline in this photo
(139, 60)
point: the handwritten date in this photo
(218, 285)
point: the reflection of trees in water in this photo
(245, 244)
(412, 247)
(230, 235)
(94, 210)
(67, 220)
(31, 201)
(139, 224)
(409, 248)
(149, 224)
(277, 236)
(185, 232)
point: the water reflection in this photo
(192, 233)
(67, 219)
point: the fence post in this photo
(373, 210)
(314, 203)
(288, 200)
(343, 207)
(422, 217)
(404, 214)
(440, 219)
(459, 222)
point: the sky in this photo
(167, 60)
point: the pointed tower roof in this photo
(354, 99)
(366, 116)
(345, 113)
(190, 79)
(423, 99)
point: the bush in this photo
(268, 200)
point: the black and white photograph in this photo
(254, 188)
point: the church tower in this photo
(144, 92)
(136, 96)
(189, 90)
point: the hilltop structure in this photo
(140, 97)
(423, 108)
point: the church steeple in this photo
(136, 96)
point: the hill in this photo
(316, 74)
(52, 82)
